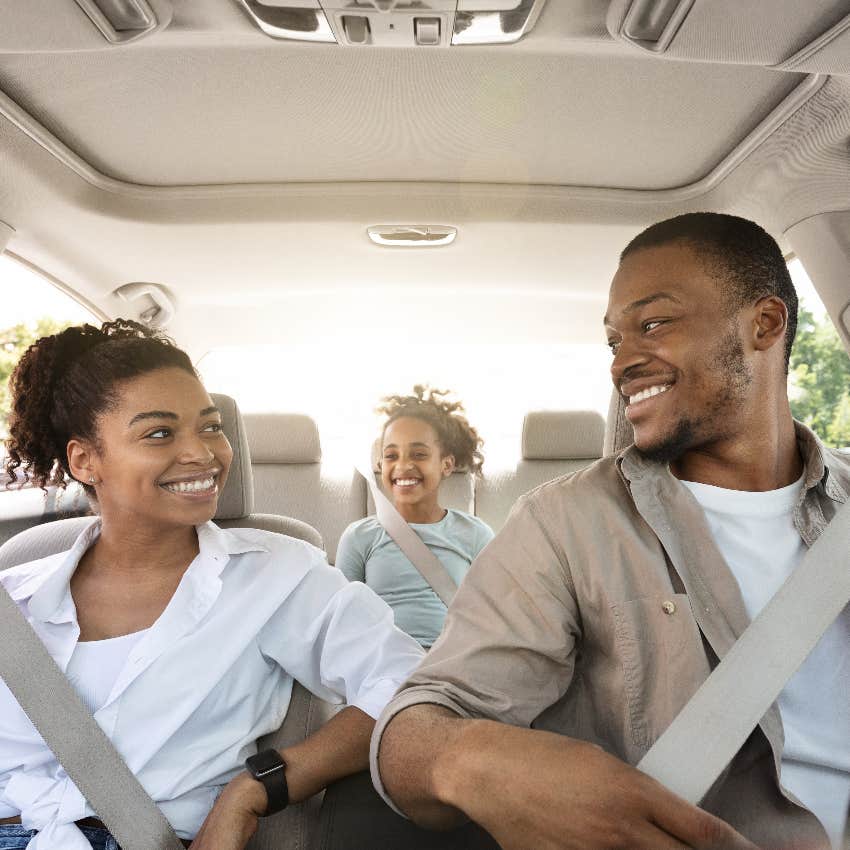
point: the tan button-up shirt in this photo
(598, 611)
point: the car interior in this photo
(306, 189)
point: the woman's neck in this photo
(134, 548)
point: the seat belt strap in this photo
(426, 562)
(79, 744)
(705, 736)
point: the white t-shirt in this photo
(755, 533)
(96, 664)
(253, 612)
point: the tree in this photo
(13, 343)
(819, 380)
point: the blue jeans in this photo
(14, 837)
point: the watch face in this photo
(265, 762)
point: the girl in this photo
(424, 439)
(182, 638)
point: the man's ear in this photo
(769, 323)
(448, 462)
(83, 461)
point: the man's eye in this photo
(215, 427)
(159, 434)
(613, 345)
(651, 325)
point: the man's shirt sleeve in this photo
(507, 649)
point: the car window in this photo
(819, 376)
(38, 308)
(339, 386)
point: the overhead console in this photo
(395, 23)
(812, 37)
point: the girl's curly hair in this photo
(454, 433)
(63, 382)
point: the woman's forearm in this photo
(339, 748)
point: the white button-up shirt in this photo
(253, 612)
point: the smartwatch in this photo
(269, 768)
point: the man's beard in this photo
(689, 433)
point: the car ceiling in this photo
(240, 172)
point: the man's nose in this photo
(629, 354)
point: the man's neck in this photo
(760, 460)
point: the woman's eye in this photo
(214, 427)
(159, 434)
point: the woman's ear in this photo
(448, 462)
(82, 461)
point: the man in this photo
(610, 594)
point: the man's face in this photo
(679, 361)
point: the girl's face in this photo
(412, 467)
(161, 458)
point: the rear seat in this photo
(554, 443)
(288, 475)
(286, 458)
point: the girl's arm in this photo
(350, 557)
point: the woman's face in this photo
(161, 457)
(412, 467)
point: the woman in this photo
(424, 439)
(182, 638)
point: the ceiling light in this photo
(412, 235)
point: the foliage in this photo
(14, 342)
(819, 380)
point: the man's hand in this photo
(536, 789)
(233, 819)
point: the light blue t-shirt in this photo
(367, 553)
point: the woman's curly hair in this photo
(63, 382)
(454, 433)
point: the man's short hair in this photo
(743, 255)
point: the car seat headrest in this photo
(237, 498)
(282, 438)
(618, 432)
(562, 435)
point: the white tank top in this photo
(95, 665)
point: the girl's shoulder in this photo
(470, 522)
(365, 528)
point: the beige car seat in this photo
(554, 443)
(289, 479)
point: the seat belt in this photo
(426, 562)
(79, 744)
(707, 733)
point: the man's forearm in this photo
(420, 759)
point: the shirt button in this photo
(668, 607)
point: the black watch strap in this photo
(269, 768)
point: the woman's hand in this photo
(234, 817)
